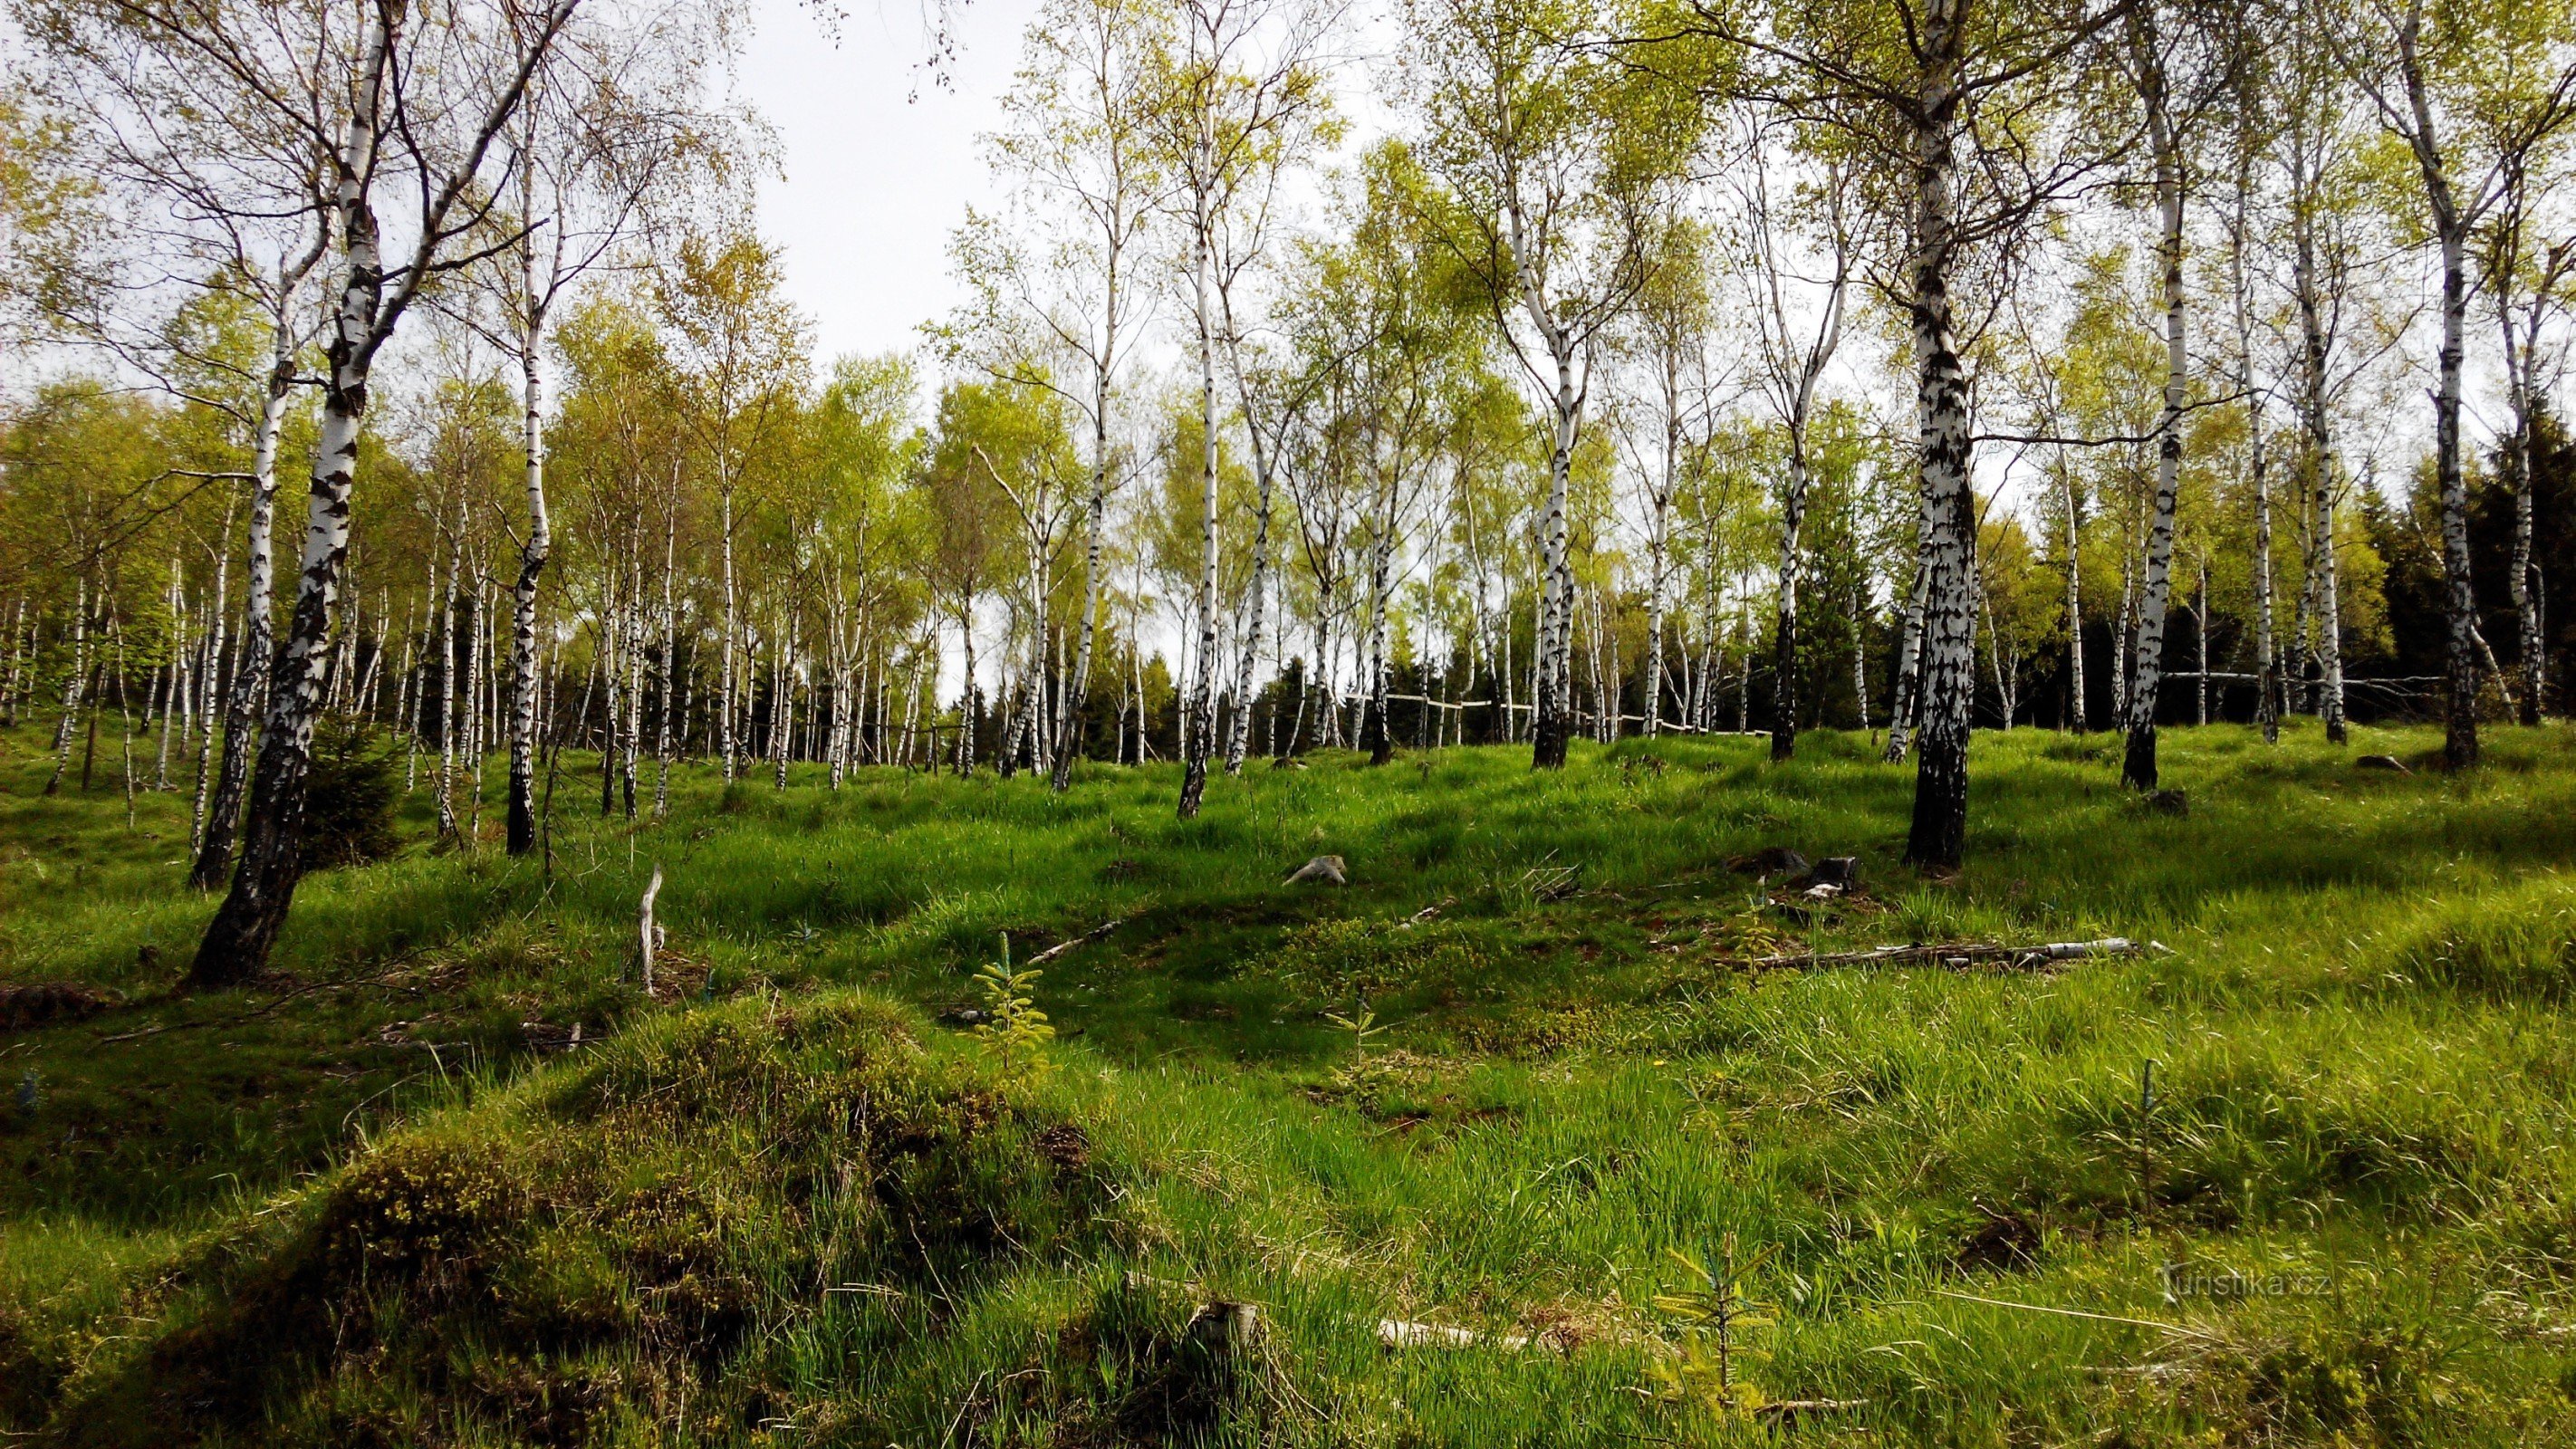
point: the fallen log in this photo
(2011, 958)
(1426, 913)
(1085, 939)
(1788, 1408)
(1404, 1333)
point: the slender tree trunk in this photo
(671, 679)
(1199, 730)
(726, 712)
(1239, 738)
(2139, 768)
(73, 678)
(532, 565)
(631, 736)
(2267, 712)
(1094, 529)
(2533, 653)
(167, 681)
(1552, 721)
(2460, 715)
(1908, 691)
(2329, 611)
(1379, 738)
(447, 696)
(1655, 551)
(966, 709)
(2075, 686)
(2320, 596)
(1860, 649)
(1784, 659)
(250, 670)
(2200, 637)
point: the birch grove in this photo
(1759, 369)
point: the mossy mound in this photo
(616, 1251)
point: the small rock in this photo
(2169, 802)
(2382, 762)
(1842, 872)
(962, 1016)
(1771, 860)
(1323, 869)
(1065, 1145)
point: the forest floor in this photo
(2298, 1172)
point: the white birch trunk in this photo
(2138, 770)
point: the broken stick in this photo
(2010, 957)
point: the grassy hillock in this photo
(2299, 1174)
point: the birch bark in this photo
(2138, 769)
(1938, 835)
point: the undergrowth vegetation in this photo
(1478, 1150)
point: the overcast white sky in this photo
(881, 163)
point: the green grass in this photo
(379, 1198)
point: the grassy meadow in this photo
(2299, 1173)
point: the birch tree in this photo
(1081, 132)
(216, 140)
(439, 144)
(2529, 274)
(1666, 340)
(1912, 90)
(613, 139)
(2472, 91)
(1242, 96)
(2176, 74)
(738, 351)
(1566, 164)
(1796, 345)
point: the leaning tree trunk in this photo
(1938, 835)
(245, 926)
(2156, 597)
